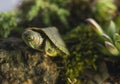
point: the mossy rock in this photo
(20, 64)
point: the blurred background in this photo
(69, 17)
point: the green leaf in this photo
(96, 27)
(111, 29)
(103, 49)
(106, 37)
(111, 48)
(117, 43)
(116, 36)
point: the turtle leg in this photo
(50, 49)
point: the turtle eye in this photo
(30, 38)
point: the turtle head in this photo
(32, 39)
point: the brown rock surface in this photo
(20, 64)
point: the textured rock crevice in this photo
(20, 64)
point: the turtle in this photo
(47, 40)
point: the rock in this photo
(20, 64)
(97, 76)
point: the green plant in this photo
(81, 41)
(8, 22)
(105, 9)
(110, 37)
(48, 9)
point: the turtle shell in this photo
(53, 34)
